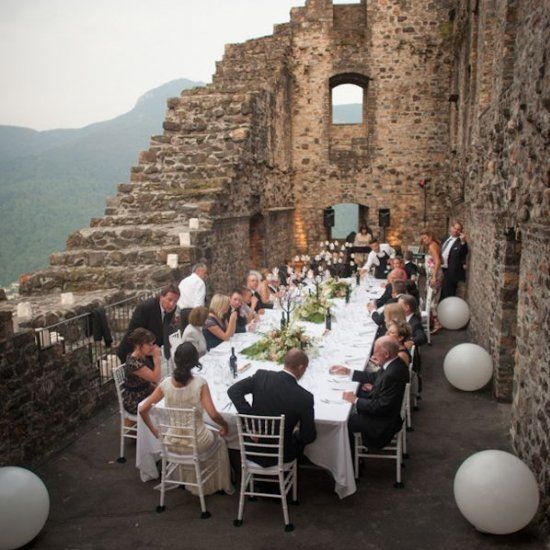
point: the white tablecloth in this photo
(349, 343)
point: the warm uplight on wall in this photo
(300, 234)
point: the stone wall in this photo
(44, 396)
(499, 185)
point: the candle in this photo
(185, 239)
(193, 223)
(24, 310)
(67, 299)
(172, 261)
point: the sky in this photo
(68, 63)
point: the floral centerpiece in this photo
(336, 289)
(313, 309)
(274, 345)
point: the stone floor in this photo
(99, 504)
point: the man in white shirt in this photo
(192, 292)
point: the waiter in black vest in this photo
(379, 259)
(453, 253)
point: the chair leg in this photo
(161, 507)
(356, 455)
(121, 459)
(205, 514)
(399, 458)
(239, 521)
(288, 526)
(295, 483)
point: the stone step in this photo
(156, 198)
(84, 278)
(141, 256)
(120, 237)
(157, 217)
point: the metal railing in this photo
(83, 331)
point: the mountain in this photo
(347, 114)
(53, 182)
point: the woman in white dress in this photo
(193, 331)
(184, 390)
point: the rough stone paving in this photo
(455, 93)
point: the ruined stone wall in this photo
(400, 48)
(500, 188)
(44, 396)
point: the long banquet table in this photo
(348, 343)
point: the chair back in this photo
(412, 352)
(403, 412)
(119, 376)
(261, 436)
(178, 427)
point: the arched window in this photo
(348, 96)
(347, 104)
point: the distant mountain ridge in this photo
(52, 182)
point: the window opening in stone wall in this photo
(346, 220)
(347, 104)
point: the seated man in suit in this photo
(378, 416)
(394, 275)
(276, 393)
(398, 288)
(410, 308)
(155, 315)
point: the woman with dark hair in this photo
(139, 378)
(363, 238)
(184, 390)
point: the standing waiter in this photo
(453, 253)
(156, 315)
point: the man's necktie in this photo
(166, 335)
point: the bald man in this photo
(378, 416)
(276, 393)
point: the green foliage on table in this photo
(335, 289)
(313, 309)
(274, 345)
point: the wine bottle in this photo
(328, 320)
(347, 294)
(233, 363)
(358, 276)
(283, 321)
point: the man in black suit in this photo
(453, 253)
(276, 393)
(397, 289)
(378, 416)
(156, 315)
(410, 308)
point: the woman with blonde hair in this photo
(193, 331)
(216, 330)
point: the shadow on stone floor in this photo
(99, 504)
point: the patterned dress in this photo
(436, 288)
(135, 388)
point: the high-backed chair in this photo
(393, 451)
(263, 436)
(177, 427)
(128, 422)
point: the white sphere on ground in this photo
(453, 313)
(468, 367)
(24, 506)
(496, 492)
